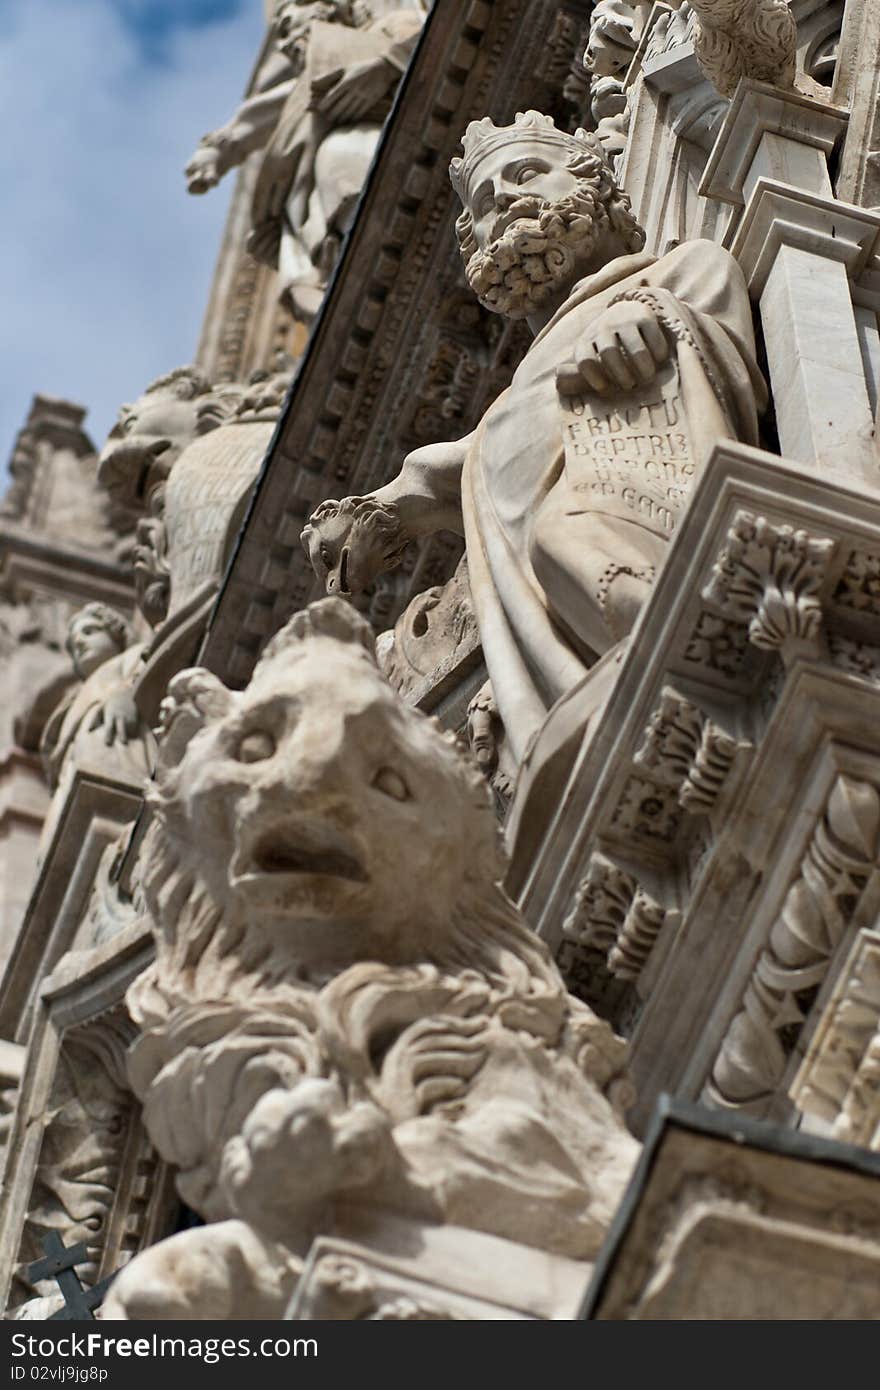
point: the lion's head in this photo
(314, 820)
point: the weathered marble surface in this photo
(344, 1004)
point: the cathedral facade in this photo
(441, 776)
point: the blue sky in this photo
(105, 260)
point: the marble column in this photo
(801, 249)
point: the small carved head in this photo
(294, 17)
(351, 542)
(151, 433)
(95, 634)
(538, 205)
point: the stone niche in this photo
(79, 1161)
(728, 1219)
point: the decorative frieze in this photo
(859, 585)
(647, 811)
(859, 658)
(718, 645)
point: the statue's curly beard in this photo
(538, 255)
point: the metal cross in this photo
(59, 1265)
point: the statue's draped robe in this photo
(536, 548)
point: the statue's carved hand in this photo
(624, 349)
(119, 717)
(348, 94)
(203, 170)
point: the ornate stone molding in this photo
(688, 751)
(611, 913)
(813, 921)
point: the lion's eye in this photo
(391, 783)
(254, 748)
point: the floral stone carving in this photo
(689, 752)
(344, 1006)
(770, 577)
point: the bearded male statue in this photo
(346, 1014)
(572, 485)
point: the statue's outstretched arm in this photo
(353, 541)
(248, 130)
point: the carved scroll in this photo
(840, 1078)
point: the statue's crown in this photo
(481, 137)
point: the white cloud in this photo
(105, 260)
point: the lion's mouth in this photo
(288, 850)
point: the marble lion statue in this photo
(345, 1009)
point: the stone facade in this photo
(447, 761)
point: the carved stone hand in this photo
(203, 170)
(119, 718)
(624, 349)
(347, 94)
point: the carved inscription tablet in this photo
(629, 455)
